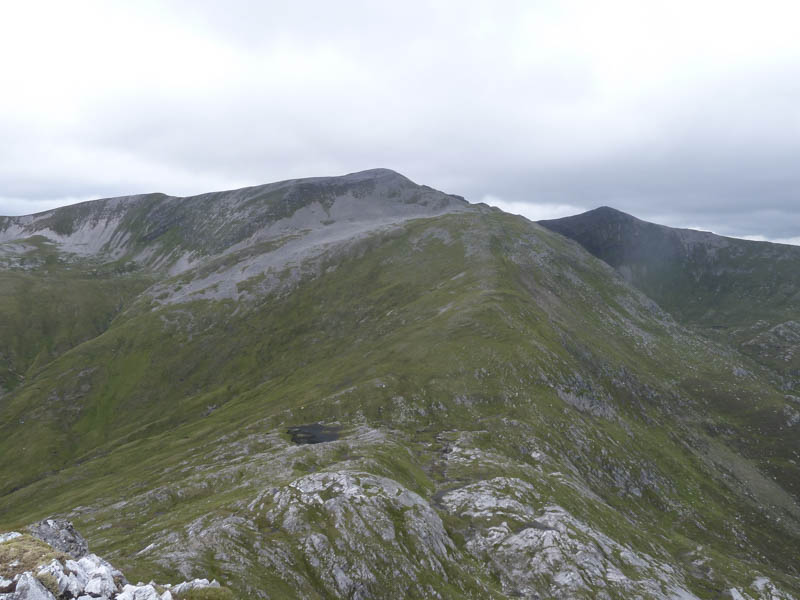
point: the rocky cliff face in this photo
(361, 387)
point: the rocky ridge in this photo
(72, 572)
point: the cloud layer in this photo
(683, 112)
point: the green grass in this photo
(164, 416)
(26, 553)
(732, 290)
(220, 593)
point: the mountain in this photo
(134, 242)
(361, 387)
(743, 292)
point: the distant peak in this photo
(379, 173)
(608, 211)
(601, 213)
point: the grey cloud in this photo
(528, 103)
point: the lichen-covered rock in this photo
(355, 529)
(545, 551)
(101, 583)
(61, 535)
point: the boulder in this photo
(142, 592)
(61, 535)
(101, 584)
(30, 588)
(6, 585)
(78, 577)
(56, 570)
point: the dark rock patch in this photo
(61, 535)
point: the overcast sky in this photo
(682, 112)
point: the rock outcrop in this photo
(61, 535)
(72, 572)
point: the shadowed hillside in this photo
(740, 291)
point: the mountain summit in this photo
(165, 231)
(740, 291)
(361, 387)
(623, 241)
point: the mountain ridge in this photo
(745, 292)
(354, 176)
(111, 226)
(620, 215)
(504, 414)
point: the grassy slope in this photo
(49, 304)
(732, 290)
(456, 324)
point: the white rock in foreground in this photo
(88, 578)
(30, 588)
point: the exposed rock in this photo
(142, 592)
(193, 585)
(101, 582)
(30, 588)
(88, 578)
(71, 580)
(548, 552)
(375, 525)
(61, 535)
(763, 588)
(587, 402)
(6, 585)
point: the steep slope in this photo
(741, 291)
(499, 413)
(66, 273)
(51, 302)
(174, 233)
